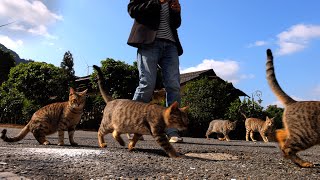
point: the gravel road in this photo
(206, 159)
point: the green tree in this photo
(247, 107)
(121, 78)
(6, 63)
(208, 99)
(31, 86)
(276, 112)
(67, 65)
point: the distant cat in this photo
(128, 116)
(301, 120)
(221, 127)
(257, 125)
(61, 116)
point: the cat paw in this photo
(103, 145)
(130, 147)
(74, 144)
(46, 143)
(60, 144)
(307, 165)
(175, 155)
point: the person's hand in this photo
(163, 1)
(175, 5)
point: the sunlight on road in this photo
(58, 151)
(213, 156)
(63, 152)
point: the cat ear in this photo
(174, 105)
(184, 109)
(71, 91)
(84, 92)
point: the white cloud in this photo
(258, 43)
(296, 38)
(228, 70)
(30, 16)
(9, 43)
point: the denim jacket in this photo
(146, 15)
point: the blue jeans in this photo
(163, 53)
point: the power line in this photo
(7, 23)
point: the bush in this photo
(208, 99)
(29, 87)
(121, 78)
(11, 104)
(276, 112)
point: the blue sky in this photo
(230, 37)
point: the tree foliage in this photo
(276, 112)
(6, 63)
(67, 66)
(121, 78)
(31, 86)
(208, 99)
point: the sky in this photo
(230, 37)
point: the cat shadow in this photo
(151, 151)
(160, 152)
(199, 158)
(229, 145)
(317, 166)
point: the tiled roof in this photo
(186, 77)
(193, 75)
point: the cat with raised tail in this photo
(127, 116)
(60, 116)
(258, 125)
(301, 120)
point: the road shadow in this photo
(159, 152)
(228, 145)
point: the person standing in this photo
(154, 34)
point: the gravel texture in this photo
(205, 159)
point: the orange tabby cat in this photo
(258, 125)
(221, 127)
(128, 116)
(62, 116)
(300, 119)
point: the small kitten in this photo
(128, 116)
(257, 125)
(61, 116)
(300, 119)
(221, 127)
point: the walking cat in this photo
(301, 120)
(128, 116)
(221, 127)
(61, 116)
(258, 125)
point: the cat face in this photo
(77, 99)
(269, 121)
(232, 125)
(176, 117)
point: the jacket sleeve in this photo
(139, 9)
(175, 19)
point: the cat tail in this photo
(243, 115)
(19, 137)
(273, 83)
(103, 89)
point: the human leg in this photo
(147, 61)
(169, 63)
